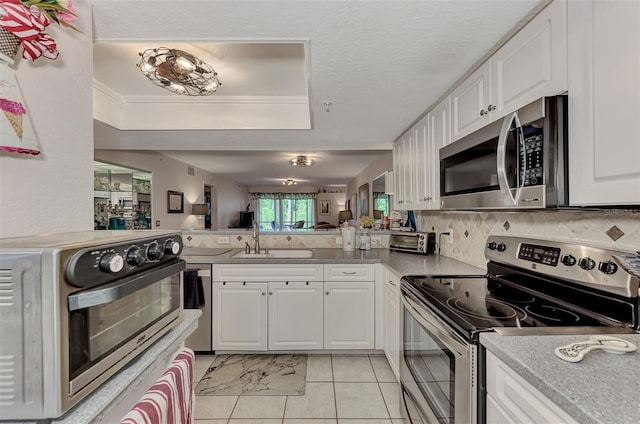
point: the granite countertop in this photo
(602, 388)
(400, 263)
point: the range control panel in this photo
(541, 254)
(97, 265)
(606, 269)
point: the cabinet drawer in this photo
(349, 272)
(517, 398)
(255, 272)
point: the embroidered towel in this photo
(171, 399)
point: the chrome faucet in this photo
(255, 235)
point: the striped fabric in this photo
(170, 400)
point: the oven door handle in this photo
(501, 165)
(118, 289)
(438, 328)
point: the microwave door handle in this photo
(120, 288)
(501, 165)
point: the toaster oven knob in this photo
(608, 267)
(586, 263)
(171, 247)
(154, 252)
(502, 247)
(492, 245)
(568, 260)
(135, 256)
(111, 262)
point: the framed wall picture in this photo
(325, 207)
(175, 202)
(353, 207)
(363, 206)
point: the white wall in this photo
(49, 193)
(170, 174)
(376, 168)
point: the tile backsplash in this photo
(615, 228)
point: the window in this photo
(285, 211)
(381, 203)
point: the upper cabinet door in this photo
(439, 137)
(423, 159)
(604, 103)
(533, 63)
(470, 103)
(397, 175)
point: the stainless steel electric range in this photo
(532, 287)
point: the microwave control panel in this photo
(533, 159)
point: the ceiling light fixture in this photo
(178, 71)
(302, 161)
(289, 182)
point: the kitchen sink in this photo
(283, 253)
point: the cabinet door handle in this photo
(491, 107)
(348, 273)
(270, 293)
(483, 112)
(264, 293)
(327, 293)
(392, 283)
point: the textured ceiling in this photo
(381, 63)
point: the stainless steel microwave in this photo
(519, 162)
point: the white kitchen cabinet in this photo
(511, 399)
(404, 174)
(391, 316)
(349, 272)
(349, 315)
(295, 315)
(604, 103)
(423, 158)
(470, 101)
(240, 316)
(531, 65)
(438, 137)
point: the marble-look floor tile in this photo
(201, 366)
(256, 421)
(318, 402)
(255, 375)
(319, 368)
(382, 369)
(210, 421)
(352, 368)
(391, 395)
(214, 406)
(365, 421)
(309, 421)
(259, 407)
(360, 400)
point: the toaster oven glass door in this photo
(408, 241)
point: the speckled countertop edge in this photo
(114, 390)
(601, 389)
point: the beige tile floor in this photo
(339, 390)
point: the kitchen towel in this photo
(171, 399)
(193, 290)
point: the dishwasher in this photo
(200, 339)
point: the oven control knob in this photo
(568, 260)
(135, 256)
(111, 262)
(586, 263)
(154, 251)
(608, 267)
(171, 247)
(502, 247)
(491, 246)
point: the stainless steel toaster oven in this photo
(413, 242)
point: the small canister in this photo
(365, 240)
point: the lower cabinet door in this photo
(240, 316)
(349, 315)
(391, 316)
(295, 315)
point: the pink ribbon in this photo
(28, 24)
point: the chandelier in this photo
(289, 182)
(178, 71)
(302, 161)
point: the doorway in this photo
(210, 200)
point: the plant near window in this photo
(22, 23)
